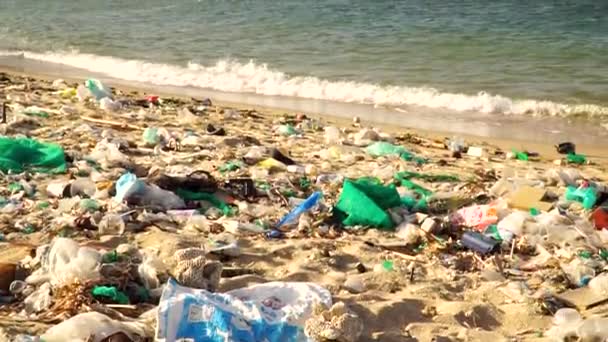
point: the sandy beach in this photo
(433, 290)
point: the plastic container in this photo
(479, 243)
(585, 195)
(111, 224)
(300, 209)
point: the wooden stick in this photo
(407, 257)
(114, 124)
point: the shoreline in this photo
(429, 124)
(546, 150)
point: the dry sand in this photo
(425, 298)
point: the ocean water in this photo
(503, 58)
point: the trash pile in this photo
(127, 217)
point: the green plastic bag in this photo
(20, 154)
(203, 196)
(364, 203)
(110, 292)
(382, 148)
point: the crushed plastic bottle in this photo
(300, 209)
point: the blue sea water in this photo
(506, 57)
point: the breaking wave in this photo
(233, 76)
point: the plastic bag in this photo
(363, 202)
(478, 216)
(109, 105)
(108, 153)
(20, 154)
(382, 148)
(272, 312)
(67, 262)
(82, 326)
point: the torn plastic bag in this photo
(272, 312)
(363, 202)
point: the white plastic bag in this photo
(67, 262)
(81, 327)
(272, 312)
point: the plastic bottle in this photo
(303, 207)
(585, 195)
(97, 89)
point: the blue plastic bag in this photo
(272, 312)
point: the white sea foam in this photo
(232, 76)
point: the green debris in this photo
(43, 205)
(388, 265)
(585, 254)
(421, 247)
(15, 187)
(35, 111)
(29, 229)
(110, 257)
(232, 165)
(573, 158)
(151, 136)
(427, 178)
(111, 293)
(287, 130)
(492, 231)
(534, 212)
(21, 154)
(603, 254)
(365, 203)
(89, 205)
(520, 155)
(305, 183)
(203, 196)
